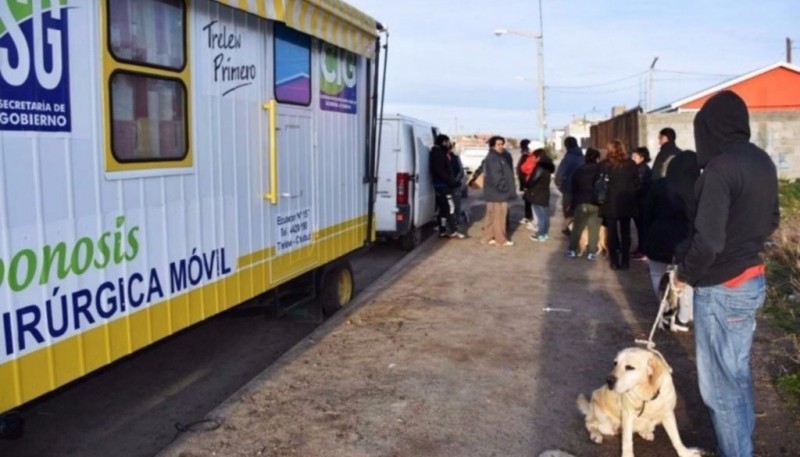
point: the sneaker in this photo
(591, 256)
(543, 238)
(508, 243)
(679, 326)
(490, 242)
(571, 254)
(638, 256)
(524, 221)
(534, 237)
(458, 235)
(530, 226)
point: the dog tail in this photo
(583, 404)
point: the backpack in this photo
(600, 186)
(528, 166)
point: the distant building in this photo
(581, 129)
(557, 140)
(772, 95)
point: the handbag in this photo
(477, 183)
(600, 187)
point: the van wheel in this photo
(337, 288)
(411, 240)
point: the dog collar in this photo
(644, 403)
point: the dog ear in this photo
(656, 370)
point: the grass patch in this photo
(789, 387)
(782, 306)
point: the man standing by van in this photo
(445, 184)
(498, 190)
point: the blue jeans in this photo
(542, 219)
(725, 320)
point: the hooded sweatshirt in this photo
(736, 196)
(572, 160)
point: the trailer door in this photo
(293, 199)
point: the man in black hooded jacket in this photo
(737, 209)
(668, 150)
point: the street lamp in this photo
(540, 47)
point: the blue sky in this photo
(445, 63)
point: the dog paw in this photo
(649, 436)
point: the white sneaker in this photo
(508, 243)
(524, 220)
(530, 226)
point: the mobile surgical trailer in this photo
(162, 161)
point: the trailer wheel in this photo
(412, 239)
(337, 289)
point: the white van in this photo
(406, 200)
(472, 158)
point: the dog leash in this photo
(649, 344)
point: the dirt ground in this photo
(470, 350)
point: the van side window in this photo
(149, 32)
(148, 118)
(292, 66)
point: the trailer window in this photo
(292, 66)
(149, 32)
(148, 118)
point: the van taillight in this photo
(402, 188)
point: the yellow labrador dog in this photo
(638, 396)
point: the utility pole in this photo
(788, 50)
(542, 114)
(650, 85)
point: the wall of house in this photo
(775, 90)
(774, 131)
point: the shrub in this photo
(783, 296)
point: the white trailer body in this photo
(164, 160)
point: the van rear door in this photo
(424, 202)
(385, 203)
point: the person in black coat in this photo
(537, 193)
(587, 212)
(641, 156)
(668, 214)
(445, 185)
(668, 150)
(620, 206)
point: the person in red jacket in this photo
(525, 167)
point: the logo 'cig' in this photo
(343, 72)
(17, 75)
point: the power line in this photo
(590, 90)
(694, 73)
(607, 83)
